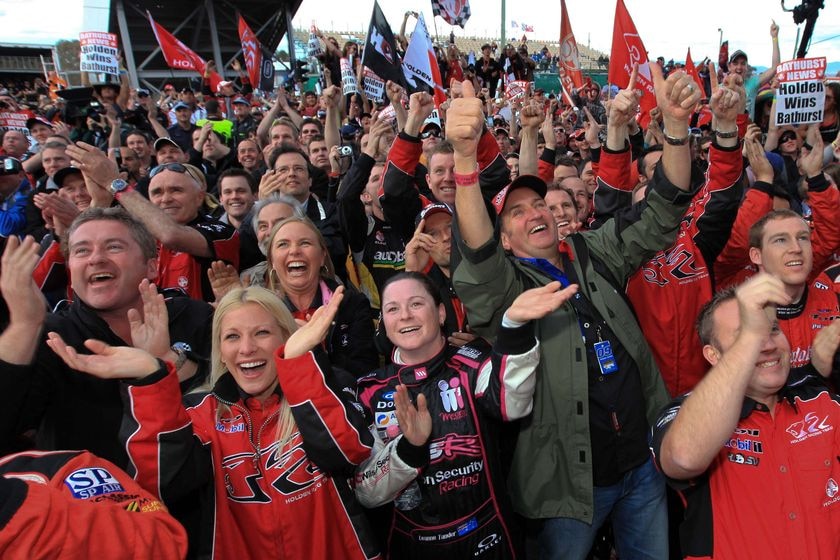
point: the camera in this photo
(345, 151)
(10, 166)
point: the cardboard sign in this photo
(15, 120)
(348, 79)
(800, 98)
(99, 53)
(516, 90)
(373, 86)
(314, 45)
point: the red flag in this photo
(570, 76)
(178, 55)
(251, 50)
(692, 71)
(723, 57)
(627, 50)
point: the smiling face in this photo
(177, 194)
(73, 189)
(773, 364)
(297, 257)
(249, 336)
(106, 266)
(412, 320)
(562, 207)
(236, 197)
(528, 228)
(584, 201)
(293, 171)
(786, 252)
(441, 177)
(248, 154)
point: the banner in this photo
(800, 98)
(421, 64)
(180, 56)
(569, 67)
(258, 61)
(99, 53)
(380, 52)
(348, 79)
(627, 50)
(373, 86)
(453, 12)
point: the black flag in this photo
(380, 54)
(266, 71)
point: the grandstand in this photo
(588, 57)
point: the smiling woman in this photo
(269, 442)
(300, 270)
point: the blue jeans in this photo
(639, 515)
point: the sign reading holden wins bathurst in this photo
(99, 53)
(800, 98)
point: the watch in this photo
(181, 349)
(118, 186)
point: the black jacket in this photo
(74, 410)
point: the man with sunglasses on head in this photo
(188, 239)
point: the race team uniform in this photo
(261, 497)
(773, 490)
(449, 495)
(63, 504)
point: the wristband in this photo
(674, 141)
(466, 180)
(730, 134)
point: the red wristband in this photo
(466, 180)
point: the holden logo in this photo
(831, 488)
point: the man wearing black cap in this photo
(738, 65)
(582, 456)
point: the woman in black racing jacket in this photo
(438, 462)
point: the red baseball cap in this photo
(523, 181)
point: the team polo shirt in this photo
(188, 272)
(773, 490)
(801, 321)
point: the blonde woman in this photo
(275, 437)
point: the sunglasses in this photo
(430, 133)
(176, 168)
(787, 138)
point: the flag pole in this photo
(434, 23)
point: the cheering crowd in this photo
(242, 324)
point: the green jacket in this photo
(551, 474)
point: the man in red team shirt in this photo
(771, 490)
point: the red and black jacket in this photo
(262, 497)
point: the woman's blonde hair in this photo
(269, 301)
(327, 271)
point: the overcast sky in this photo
(667, 27)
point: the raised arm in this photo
(768, 74)
(465, 122)
(99, 172)
(710, 413)
(332, 128)
(532, 117)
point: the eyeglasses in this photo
(176, 168)
(430, 133)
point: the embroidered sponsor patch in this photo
(95, 481)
